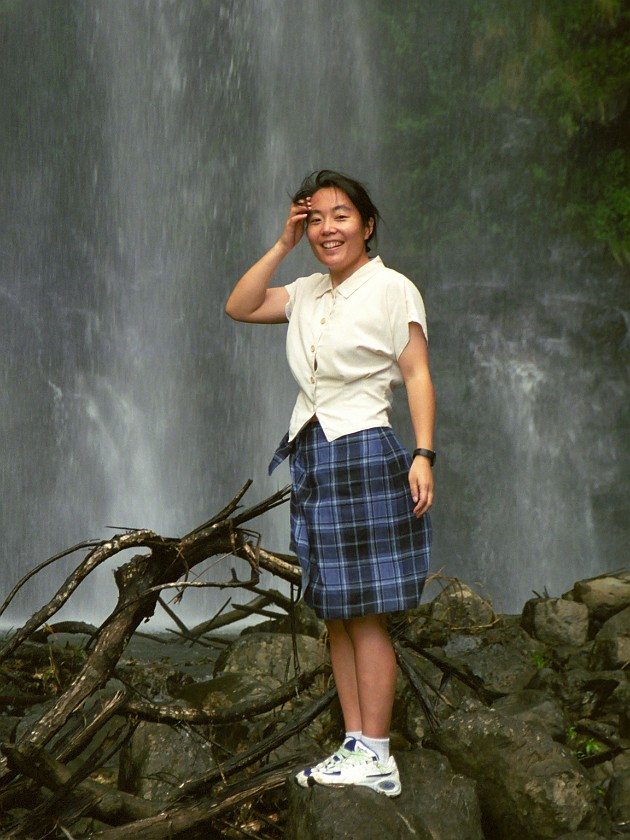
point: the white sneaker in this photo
(360, 766)
(305, 777)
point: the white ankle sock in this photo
(378, 745)
(356, 735)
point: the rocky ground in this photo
(505, 726)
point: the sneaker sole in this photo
(388, 787)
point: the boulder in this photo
(556, 621)
(158, 758)
(612, 643)
(580, 692)
(536, 708)
(604, 596)
(409, 716)
(435, 804)
(528, 785)
(271, 654)
(458, 606)
(618, 799)
(252, 666)
(226, 689)
(503, 657)
(306, 623)
(8, 727)
(582, 835)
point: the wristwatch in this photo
(426, 453)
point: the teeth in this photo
(330, 244)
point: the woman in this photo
(359, 521)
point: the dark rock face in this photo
(528, 736)
(503, 657)
(435, 804)
(271, 654)
(612, 643)
(536, 708)
(158, 758)
(549, 755)
(556, 621)
(604, 596)
(529, 786)
(618, 799)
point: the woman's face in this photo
(336, 233)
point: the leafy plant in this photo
(539, 659)
(582, 745)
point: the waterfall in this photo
(178, 131)
(148, 151)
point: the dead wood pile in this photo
(48, 778)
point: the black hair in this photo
(354, 189)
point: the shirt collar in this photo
(354, 282)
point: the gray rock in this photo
(435, 804)
(158, 758)
(580, 692)
(409, 716)
(536, 708)
(618, 799)
(604, 596)
(556, 621)
(8, 726)
(226, 689)
(612, 643)
(306, 623)
(504, 658)
(529, 786)
(582, 835)
(458, 606)
(270, 654)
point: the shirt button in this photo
(313, 379)
(312, 348)
(323, 321)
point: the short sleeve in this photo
(291, 290)
(405, 306)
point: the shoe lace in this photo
(342, 754)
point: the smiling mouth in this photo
(332, 244)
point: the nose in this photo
(328, 226)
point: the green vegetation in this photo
(539, 659)
(542, 86)
(582, 745)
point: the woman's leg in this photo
(375, 668)
(344, 672)
(364, 667)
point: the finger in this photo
(424, 503)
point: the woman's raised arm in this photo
(252, 300)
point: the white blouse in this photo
(343, 346)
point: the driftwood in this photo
(35, 774)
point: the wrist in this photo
(429, 454)
(280, 249)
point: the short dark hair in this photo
(354, 189)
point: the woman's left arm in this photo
(414, 366)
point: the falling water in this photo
(179, 129)
(149, 147)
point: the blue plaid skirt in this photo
(361, 549)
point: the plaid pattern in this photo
(361, 549)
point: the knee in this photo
(367, 627)
(336, 628)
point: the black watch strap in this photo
(426, 453)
